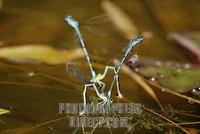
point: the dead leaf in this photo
(120, 19)
(40, 53)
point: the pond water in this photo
(32, 90)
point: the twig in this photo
(182, 123)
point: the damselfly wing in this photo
(75, 73)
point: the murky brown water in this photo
(32, 91)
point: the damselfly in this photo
(96, 80)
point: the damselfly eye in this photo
(133, 60)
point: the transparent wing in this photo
(96, 25)
(93, 27)
(76, 74)
(97, 19)
(100, 37)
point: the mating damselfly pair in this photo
(96, 80)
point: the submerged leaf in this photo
(40, 53)
(178, 79)
(4, 111)
(190, 42)
(120, 19)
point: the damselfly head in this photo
(71, 21)
(141, 37)
(137, 40)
